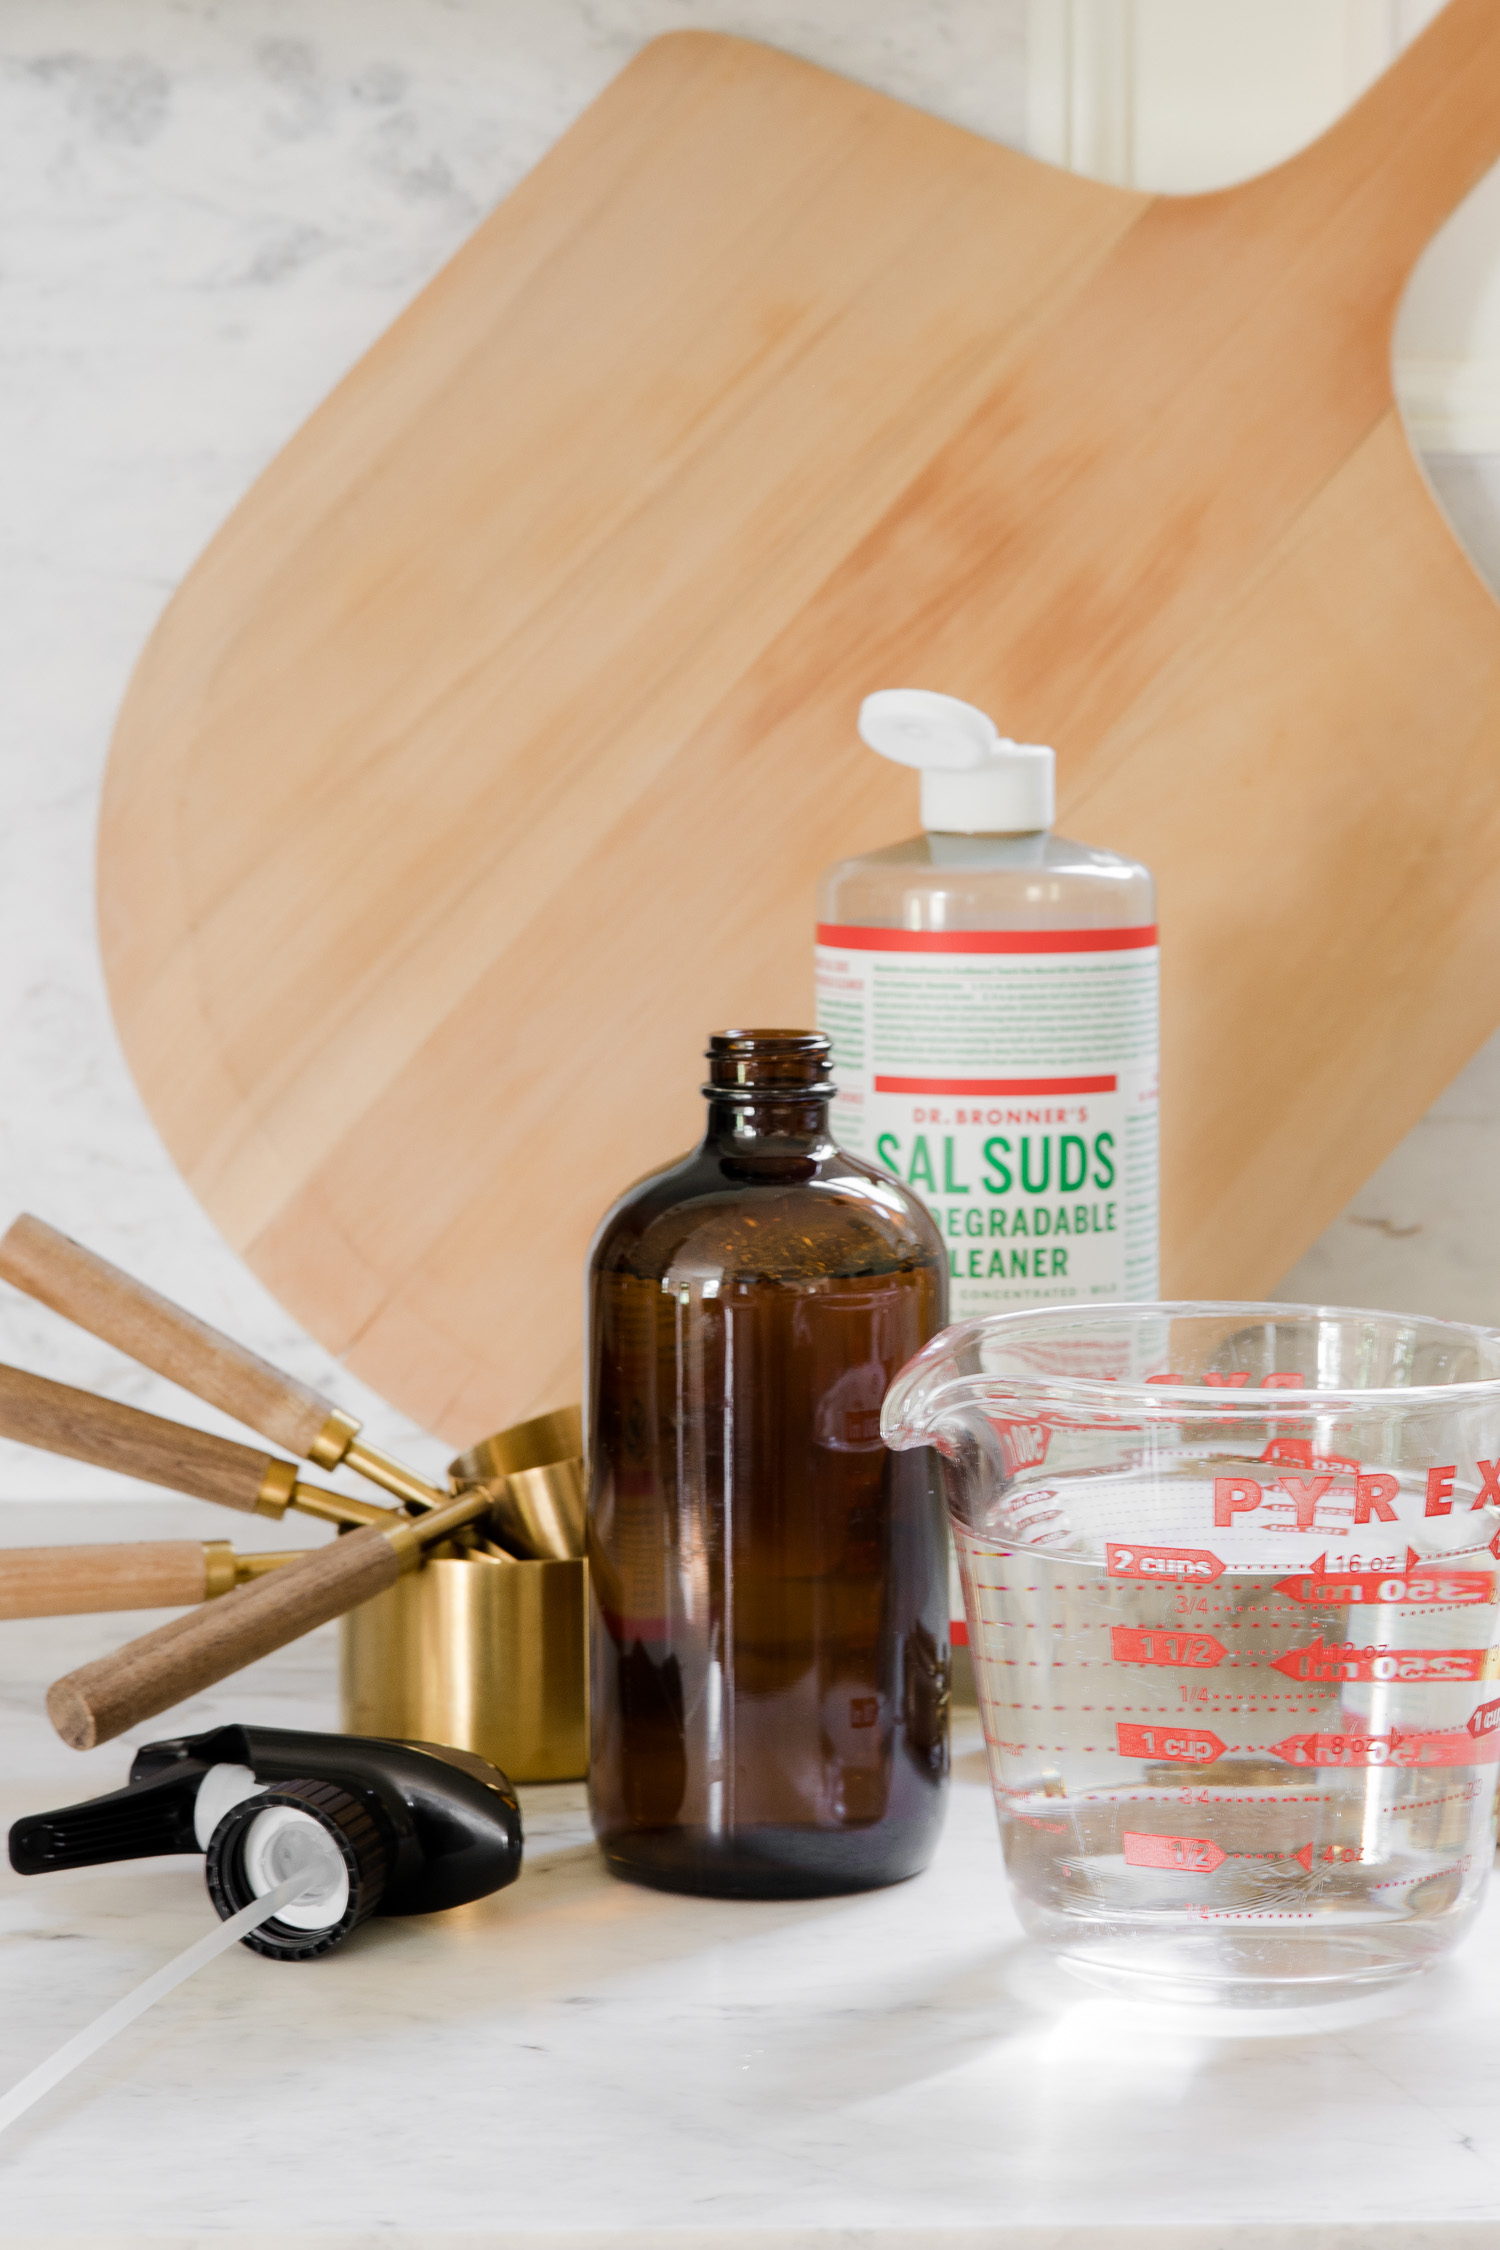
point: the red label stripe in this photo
(852, 939)
(995, 1085)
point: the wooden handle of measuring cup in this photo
(133, 1574)
(111, 1305)
(100, 1700)
(194, 1652)
(58, 1419)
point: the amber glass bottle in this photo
(769, 1656)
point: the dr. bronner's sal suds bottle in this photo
(990, 990)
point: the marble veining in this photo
(208, 209)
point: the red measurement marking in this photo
(1298, 1453)
(1186, 1565)
(1182, 1855)
(1178, 1746)
(1197, 1652)
(1023, 1444)
(1485, 1720)
(1419, 1582)
(1393, 1749)
(1334, 1855)
(1328, 1660)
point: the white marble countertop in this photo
(578, 2061)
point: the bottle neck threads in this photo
(768, 1083)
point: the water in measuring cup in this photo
(1257, 1767)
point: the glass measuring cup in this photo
(1231, 1581)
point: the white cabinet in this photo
(1181, 95)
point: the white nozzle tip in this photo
(975, 781)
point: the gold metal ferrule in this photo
(220, 1568)
(281, 1488)
(276, 1489)
(338, 1444)
(333, 1440)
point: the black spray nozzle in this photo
(421, 1827)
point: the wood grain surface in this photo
(487, 759)
(59, 1419)
(87, 1290)
(195, 1651)
(129, 1574)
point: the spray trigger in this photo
(304, 1837)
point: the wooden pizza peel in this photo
(487, 759)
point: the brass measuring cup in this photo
(534, 1471)
(490, 1656)
(476, 1647)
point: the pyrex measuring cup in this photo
(1230, 1574)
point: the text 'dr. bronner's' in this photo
(991, 992)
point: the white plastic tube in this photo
(87, 2042)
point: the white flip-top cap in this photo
(974, 780)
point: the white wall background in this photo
(208, 208)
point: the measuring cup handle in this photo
(87, 1290)
(58, 1419)
(196, 1651)
(133, 1574)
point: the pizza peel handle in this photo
(1386, 174)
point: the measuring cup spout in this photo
(905, 1419)
(939, 1399)
(934, 1400)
